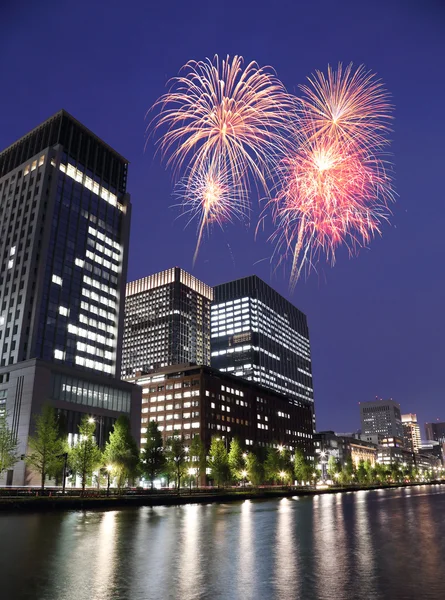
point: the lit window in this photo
(79, 262)
(63, 311)
(56, 279)
(2, 321)
(10, 264)
(12, 251)
(59, 354)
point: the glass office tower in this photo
(260, 336)
(64, 226)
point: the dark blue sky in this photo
(377, 321)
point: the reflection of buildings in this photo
(64, 229)
(411, 432)
(201, 400)
(343, 447)
(381, 417)
(167, 322)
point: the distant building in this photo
(411, 432)
(381, 417)
(344, 446)
(395, 454)
(432, 449)
(260, 336)
(167, 322)
(192, 400)
(435, 431)
(64, 230)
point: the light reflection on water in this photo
(373, 545)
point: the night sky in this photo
(377, 321)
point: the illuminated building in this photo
(343, 447)
(260, 336)
(435, 431)
(167, 322)
(411, 432)
(191, 399)
(381, 417)
(64, 230)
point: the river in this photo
(384, 544)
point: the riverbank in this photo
(54, 503)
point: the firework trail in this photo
(334, 187)
(210, 196)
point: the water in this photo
(371, 545)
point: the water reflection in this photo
(372, 545)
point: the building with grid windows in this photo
(411, 432)
(198, 400)
(260, 336)
(64, 230)
(381, 417)
(167, 322)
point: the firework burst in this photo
(335, 186)
(222, 111)
(210, 196)
(348, 106)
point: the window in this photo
(56, 279)
(59, 354)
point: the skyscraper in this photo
(167, 322)
(435, 431)
(260, 336)
(411, 432)
(381, 417)
(64, 229)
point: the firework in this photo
(349, 106)
(210, 196)
(334, 188)
(220, 111)
(330, 195)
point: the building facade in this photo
(64, 230)
(411, 432)
(343, 447)
(199, 400)
(167, 322)
(260, 336)
(435, 431)
(381, 417)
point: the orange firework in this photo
(219, 110)
(210, 196)
(351, 106)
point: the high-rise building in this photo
(381, 417)
(167, 322)
(435, 431)
(411, 432)
(260, 336)
(64, 230)
(64, 227)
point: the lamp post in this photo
(244, 475)
(109, 469)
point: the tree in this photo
(176, 457)
(153, 456)
(219, 462)
(272, 465)
(254, 468)
(46, 445)
(333, 467)
(286, 465)
(302, 468)
(362, 474)
(85, 456)
(197, 457)
(347, 471)
(236, 460)
(121, 452)
(8, 446)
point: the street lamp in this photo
(244, 475)
(109, 469)
(191, 473)
(280, 448)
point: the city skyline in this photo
(374, 320)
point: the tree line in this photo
(176, 461)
